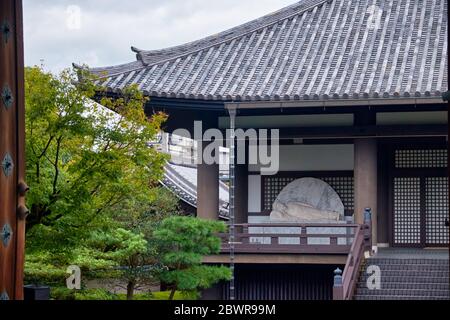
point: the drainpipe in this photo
(231, 210)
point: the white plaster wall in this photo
(314, 158)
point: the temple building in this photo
(180, 174)
(355, 90)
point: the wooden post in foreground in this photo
(12, 155)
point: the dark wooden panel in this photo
(419, 195)
(282, 282)
(436, 211)
(368, 131)
(407, 211)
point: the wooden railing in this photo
(350, 239)
(345, 282)
(292, 238)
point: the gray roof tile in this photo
(182, 181)
(314, 49)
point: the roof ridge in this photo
(110, 71)
(302, 7)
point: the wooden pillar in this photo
(207, 189)
(366, 181)
(383, 193)
(12, 156)
(241, 193)
(241, 182)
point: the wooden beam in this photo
(370, 131)
(264, 258)
(333, 103)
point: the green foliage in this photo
(94, 199)
(165, 295)
(188, 239)
(139, 268)
(81, 159)
(137, 296)
(42, 268)
(88, 168)
(183, 242)
(62, 293)
(94, 294)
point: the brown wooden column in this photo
(207, 189)
(366, 181)
(12, 158)
(241, 193)
(383, 193)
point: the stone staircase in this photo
(407, 274)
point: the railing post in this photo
(368, 228)
(333, 241)
(246, 238)
(338, 289)
(303, 236)
(348, 230)
(274, 241)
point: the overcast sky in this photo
(101, 32)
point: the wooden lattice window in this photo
(343, 185)
(407, 213)
(423, 158)
(272, 188)
(436, 210)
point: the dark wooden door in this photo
(12, 186)
(419, 192)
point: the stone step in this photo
(378, 297)
(420, 267)
(408, 279)
(408, 285)
(404, 292)
(387, 261)
(411, 273)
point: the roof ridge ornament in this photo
(139, 55)
(136, 50)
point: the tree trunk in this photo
(172, 293)
(130, 289)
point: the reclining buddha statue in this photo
(307, 200)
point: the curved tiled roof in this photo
(314, 49)
(182, 181)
